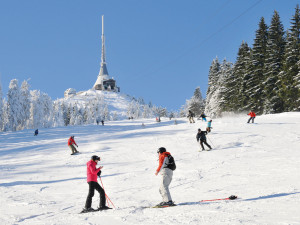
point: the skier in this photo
(208, 128)
(201, 135)
(36, 132)
(252, 116)
(102, 121)
(92, 173)
(191, 116)
(166, 177)
(71, 143)
(203, 116)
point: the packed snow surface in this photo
(41, 183)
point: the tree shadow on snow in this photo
(249, 199)
(18, 183)
(270, 196)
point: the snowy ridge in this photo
(117, 102)
(41, 183)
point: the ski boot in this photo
(103, 208)
(86, 210)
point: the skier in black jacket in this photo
(201, 135)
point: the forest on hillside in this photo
(264, 78)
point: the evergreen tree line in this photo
(32, 109)
(264, 78)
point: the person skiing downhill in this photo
(201, 135)
(36, 132)
(191, 116)
(252, 116)
(203, 116)
(208, 128)
(167, 175)
(71, 143)
(92, 173)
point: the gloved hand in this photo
(99, 173)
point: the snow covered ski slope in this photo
(41, 183)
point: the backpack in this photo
(171, 165)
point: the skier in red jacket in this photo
(252, 116)
(71, 143)
(92, 173)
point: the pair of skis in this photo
(231, 197)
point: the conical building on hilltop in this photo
(103, 82)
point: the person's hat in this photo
(199, 129)
(95, 157)
(161, 150)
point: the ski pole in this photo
(211, 142)
(107, 198)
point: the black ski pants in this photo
(92, 186)
(251, 118)
(204, 141)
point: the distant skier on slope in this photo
(208, 128)
(203, 116)
(252, 116)
(71, 143)
(166, 170)
(191, 116)
(201, 135)
(92, 173)
(36, 132)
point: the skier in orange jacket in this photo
(252, 116)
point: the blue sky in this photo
(158, 50)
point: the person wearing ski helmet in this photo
(201, 135)
(167, 175)
(71, 143)
(252, 116)
(92, 173)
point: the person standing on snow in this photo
(191, 116)
(92, 173)
(201, 135)
(36, 132)
(71, 143)
(252, 116)
(167, 175)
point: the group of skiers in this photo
(165, 168)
